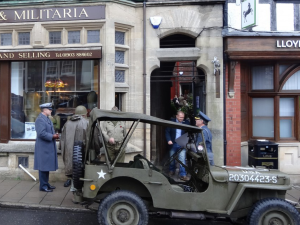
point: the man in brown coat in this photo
(73, 131)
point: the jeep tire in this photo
(122, 208)
(273, 211)
(77, 166)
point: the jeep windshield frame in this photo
(98, 115)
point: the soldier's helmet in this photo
(80, 110)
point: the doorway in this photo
(174, 79)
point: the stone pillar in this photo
(107, 66)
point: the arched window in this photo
(293, 83)
(177, 41)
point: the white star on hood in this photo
(101, 174)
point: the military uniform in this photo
(45, 152)
(73, 131)
(207, 136)
(116, 130)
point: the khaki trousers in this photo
(113, 150)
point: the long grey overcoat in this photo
(74, 130)
(45, 152)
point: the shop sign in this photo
(248, 14)
(46, 55)
(288, 44)
(52, 14)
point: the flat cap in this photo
(203, 117)
(46, 105)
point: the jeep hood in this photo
(252, 175)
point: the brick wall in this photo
(233, 120)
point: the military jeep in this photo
(128, 193)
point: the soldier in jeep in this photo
(114, 133)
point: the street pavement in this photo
(18, 194)
(15, 216)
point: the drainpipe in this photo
(225, 26)
(144, 72)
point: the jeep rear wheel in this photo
(273, 211)
(122, 208)
(77, 166)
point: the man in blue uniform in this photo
(171, 135)
(45, 152)
(202, 121)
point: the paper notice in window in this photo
(30, 132)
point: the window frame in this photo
(61, 37)
(18, 40)
(11, 39)
(87, 36)
(279, 81)
(80, 36)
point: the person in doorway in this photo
(181, 99)
(45, 151)
(114, 133)
(172, 134)
(176, 102)
(73, 132)
(202, 121)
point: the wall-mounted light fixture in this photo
(180, 73)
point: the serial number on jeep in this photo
(256, 177)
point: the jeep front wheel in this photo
(122, 208)
(273, 211)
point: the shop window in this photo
(93, 36)
(120, 38)
(120, 55)
(262, 78)
(73, 37)
(120, 76)
(24, 38)
(55, 37)
(274, 114)
(6, 39)
(263, 117)
(66, 84)
(283, 68)
(286, 113)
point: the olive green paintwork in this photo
(224, 190)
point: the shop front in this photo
(263, 97)
(47, 54)
(100, 54)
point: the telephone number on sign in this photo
(252, 178)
